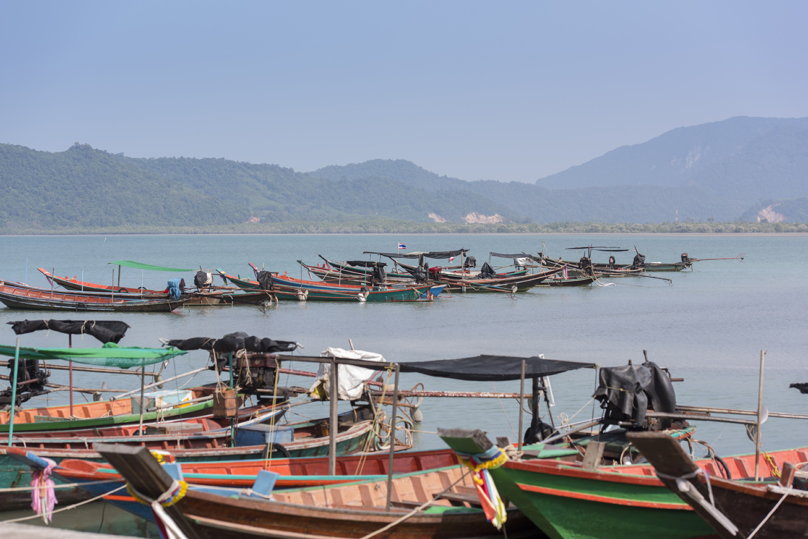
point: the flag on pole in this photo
(402, 246)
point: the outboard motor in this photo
(639, 261)
(612, 261)
(586, 265)
(470, 262)
(31, 382)
(378, 277)
(421, 273)
(685, 258)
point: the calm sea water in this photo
(708, 327)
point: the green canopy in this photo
(109, 355)
(138, 265)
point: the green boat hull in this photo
(578, 508)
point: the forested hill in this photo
(705, 155)
(89, 188)
(718, 171)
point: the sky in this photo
(509, 91)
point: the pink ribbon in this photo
(43, 496)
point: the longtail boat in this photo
(199, 446)
(290, 282)
(339, 511)
(330, 275)
(619, 501)
(18, 296)
(77, 287)
(293, 293)
(734, 507)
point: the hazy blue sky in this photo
(497, 90)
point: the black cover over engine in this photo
(470, 262)
(487, 272)
(627, 392)
(265, 280)
(202, 279)
(639, 261)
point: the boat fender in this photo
(541, 431)
(302, 295)
(362, 297)
(514, 289)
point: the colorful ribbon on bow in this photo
(480, 463)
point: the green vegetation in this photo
(389, 226)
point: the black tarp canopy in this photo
(234, 342)
(437, 255)
(103, 330)
(487, 368)
(365, 263)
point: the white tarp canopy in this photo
(350, 378)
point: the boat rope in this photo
(61, 485)
(772, 465)
(416, 510)
(686, 487)
(69, 507)
(788, 491)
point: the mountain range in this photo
(753, 168)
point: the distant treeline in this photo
(384, 226)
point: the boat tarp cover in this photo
(437, 255)
(626, 392)
(138, 265)
(493, 368)
(109, 355)
(103, 330)
(233, 342)
(365, 263)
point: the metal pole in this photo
(14, 392)
(759, 413)
(53, 272)
(521, 405)
(70, 363)
(82, 279)
(392, 440)
(232, 419)
(534, 421)
(334, 420)
(119, 278)
(113, 284)
(142, 388)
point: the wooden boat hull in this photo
(341, 511)
(33, 299)
(573, 281)
(746, 504)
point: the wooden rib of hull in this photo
(40, 299)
